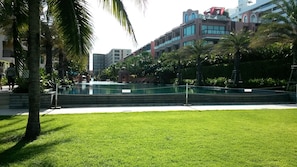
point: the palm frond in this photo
(276, 26)
(199, 48)
(233, 42)
(117, 9)
(74, 23)
(289, 7)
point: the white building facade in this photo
(5, 54)
(116, 55)
(251, 11)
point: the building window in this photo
(193, 16)
(253, 19)
(189, 30)
(215, 30)
(186, 18)
(245, 20)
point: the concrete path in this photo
(86, 110)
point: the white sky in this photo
(159, 17)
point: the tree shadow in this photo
(12, 130)
(15, 134)
(54, 129)
(3, 117)
(20, 152)
(11, 136)
(11, 122)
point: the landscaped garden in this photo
(178, 138)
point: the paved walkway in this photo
(147, 109)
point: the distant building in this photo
(116, 55)
(102, 61)
(98, 63)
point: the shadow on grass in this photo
(15, 134)
(23, 149)
(5, 117)
(11, 131)
(54, 129)
(12, 136)
(11, 122)
(20, 152)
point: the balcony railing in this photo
(215, 32)
(167, 42)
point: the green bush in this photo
(3, 80)
(23, 85)
(220, 81)
(265, 82)
(189, 81)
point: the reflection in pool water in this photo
(108, 87)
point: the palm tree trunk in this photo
(236, 71)
(294, 52)
(179, 74)
(49, 54)
(198, 72)
(61, 70)
(33, 125)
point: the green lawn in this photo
(180, 138)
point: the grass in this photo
(180, 138)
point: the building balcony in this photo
(214, 32)
(169, 42)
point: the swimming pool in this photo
(105, 88)
(120, 94)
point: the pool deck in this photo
(88, 110)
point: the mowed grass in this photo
(180, 138)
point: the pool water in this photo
(103, 88)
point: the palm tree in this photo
(235, 43)
(73, 19)
(13, 23)
(47, 42)
(175, 59)
(197, 50)
(279, 27)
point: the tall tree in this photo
(74, 23)
(234, 43)
(174, 59)
(13, 23)
(279, 27)
(33, 125)
(196, 51)
(47, 40)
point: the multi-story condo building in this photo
(210, 26)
